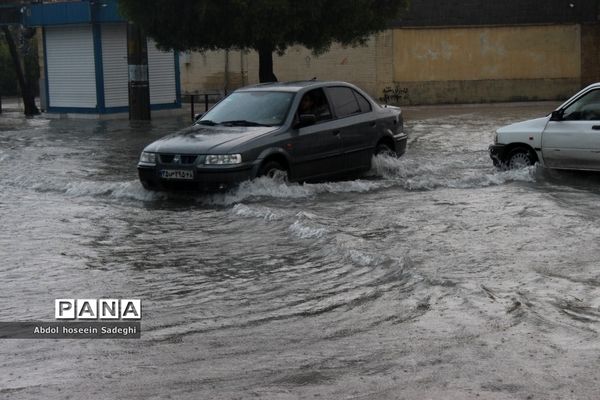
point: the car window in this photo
(586, 108)
(344, 101)
(315, 102)
(260, 107)
(364, 104)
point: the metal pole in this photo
(226, 74)
(192, 101)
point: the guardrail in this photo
(206, 97)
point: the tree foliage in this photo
(266, 26)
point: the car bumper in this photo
(497, 153)
(400, 144)
(204, 179)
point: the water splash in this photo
(426, 175)
(387, 172)
(275, 189)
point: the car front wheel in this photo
(520, 157)
(272, 169)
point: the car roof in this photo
(295, 86)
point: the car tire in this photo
(270, 169)
(385, 150)
(520, 157)
(147, 186)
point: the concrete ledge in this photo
(114, 116)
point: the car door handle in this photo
(336, 132)
(596, 127)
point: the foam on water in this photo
(425, 175)
(304, 231)
(357, 251)
(361, 258)
(265, 213)
(119, 190)
(273, 188)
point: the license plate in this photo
(177, 174)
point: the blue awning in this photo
(72, 12)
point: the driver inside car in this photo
(315, 103)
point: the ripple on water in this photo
(330, 272)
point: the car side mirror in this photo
(557, 115)
(306, 120)
(198, 116)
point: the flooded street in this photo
(433, 277)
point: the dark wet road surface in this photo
(435, 276)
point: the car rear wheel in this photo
(385, 150)
(272, 169)
(520, 157)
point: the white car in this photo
(568, 138)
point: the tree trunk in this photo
(265, 65)
(26, 92)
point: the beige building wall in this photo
(358, 65)
(420, 66)
(212, 71)
(465, 54)
(482, 64)
(365, 66)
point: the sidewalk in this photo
(15, 103)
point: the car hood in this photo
(204, 139)
(530, 126)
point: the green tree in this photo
(266, 26)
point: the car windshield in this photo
(250, 109)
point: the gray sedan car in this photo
(309, 130)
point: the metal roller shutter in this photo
(71, 67)
(161, 73)
(114, 63)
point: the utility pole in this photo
(139, 88)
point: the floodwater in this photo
(433, 277)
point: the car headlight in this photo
(223, 159)
(148, 158)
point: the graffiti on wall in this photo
(395, 94)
